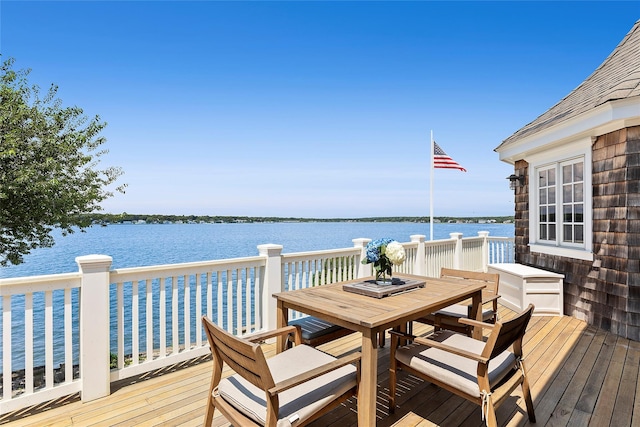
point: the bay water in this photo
(136, 245)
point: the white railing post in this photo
(457, 254)
(94, 326)
(420, 267)
(485, 249)
(364, 270)
(272, 282)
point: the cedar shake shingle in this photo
(618, 77)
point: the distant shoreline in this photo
(125, 218)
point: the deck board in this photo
(578, 375)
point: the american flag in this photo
(442, 161)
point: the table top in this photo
(360, 312)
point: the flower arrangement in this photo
(384, 254)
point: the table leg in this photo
(282, 319)
(367, 390)
(476, 313)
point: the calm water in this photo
(153, 244)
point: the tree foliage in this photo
(49, 166)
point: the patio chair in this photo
(485, 373)
(316, 331)
(448, 318)
(293, 387)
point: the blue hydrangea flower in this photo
(373, 250)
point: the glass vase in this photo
(382, 278)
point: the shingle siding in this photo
(606, 292)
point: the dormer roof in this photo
(617, 78)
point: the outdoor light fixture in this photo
(513, 179)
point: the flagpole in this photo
(431, 192)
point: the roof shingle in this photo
(618, 77)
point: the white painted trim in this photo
(562, 252)
(580, 147)
(606, 118)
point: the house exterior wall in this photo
(605, 292)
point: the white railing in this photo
(308, 269)
(45, 327)
(149, 317)
(501, 250)
(157, 297)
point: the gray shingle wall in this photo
(605, 293)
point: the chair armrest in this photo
(460, 352)
(473, 322)
(314, 373)
(491, 298)
(402, 334)
(261, 336)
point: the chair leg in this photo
(491, 419)
(208, 418)
(526, 394)
(381, 339)
(392, 374)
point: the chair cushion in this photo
(312, 327)
(457, 371)
(459, 310)
(303, 400)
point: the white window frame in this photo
(556, 157)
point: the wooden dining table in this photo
(372, 316)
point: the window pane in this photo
(543, 214)
(566, 174)
(579, 217)
(552, 177)
(566, 194)
(542, 178)
(552, 232)
(567, 214)
(552, 195)
(579, 231)
(543, 232)
(578, 172)
(552, 214)
(568, 236)
(577, 193)
(543, 197)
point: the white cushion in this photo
(459, 310)
(457, 371)
(298, 403)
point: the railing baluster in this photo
(220, 298)
(48, 338)
(239, 308)
(6, 347)
(135, 324)
(120, 309)
(28, 343)
(229, 287)
(175, 341)
(162, 312)
(198, 313)
(186, 319)
(247, 310)
(209, 301)
(149, 318)
(68, 336)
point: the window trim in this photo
(577, 149)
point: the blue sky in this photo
(310, 109)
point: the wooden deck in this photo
(579, 376)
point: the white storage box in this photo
(521, 285)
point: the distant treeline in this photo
(102, 218)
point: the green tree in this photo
(49, 166)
